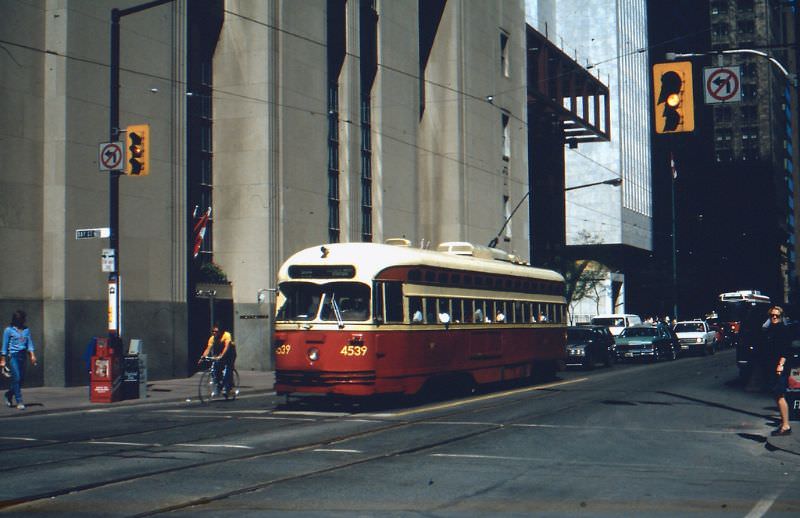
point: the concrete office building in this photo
(297, 123)
(611, 224)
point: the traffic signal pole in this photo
(114, 282)
(114, 303)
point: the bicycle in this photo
(210, 389)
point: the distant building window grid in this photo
(366, 169)
(333, 163)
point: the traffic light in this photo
(674, 97)
(137, 138)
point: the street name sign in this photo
(91, 233)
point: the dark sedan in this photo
(588, 345)
(647, 341)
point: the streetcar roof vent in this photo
(398, 241)
(473, 250)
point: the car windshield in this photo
(578, 336)
(610, 322)
(689, 327)
(307, 301)
(639, 331)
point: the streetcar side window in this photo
(457, 315)
(393, 293)
(518, 312)
(430, 310)
(443, 314)
(415, 310)
(469, 310)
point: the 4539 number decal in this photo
(283, 350)
(354, 350)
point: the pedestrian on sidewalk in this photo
(17, 348)
(784, 361)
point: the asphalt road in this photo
(675, 438)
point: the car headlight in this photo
(699, 340)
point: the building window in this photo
(205, 22)
(744, 6)
(336, 51)
(505, 119)
(333, 163)
(368, 26)
(506, 218)
(430, 15)
(722, 114)
(720, 29)
(504, 63)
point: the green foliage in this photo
(211, 272)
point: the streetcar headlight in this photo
(313, 354)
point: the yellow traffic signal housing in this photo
(137, 138)
(673, 93)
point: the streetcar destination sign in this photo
(91, 233)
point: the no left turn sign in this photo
(722, 84)
(112, 156)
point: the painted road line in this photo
(478, 399)
(335, 450)
(233, 446)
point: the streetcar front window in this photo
(301, 301)
(331, 302)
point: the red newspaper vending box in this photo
(105, 374)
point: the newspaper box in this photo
(105, 374)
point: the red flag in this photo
(199, 230)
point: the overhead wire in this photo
(460, 93)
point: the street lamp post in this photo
(616, 182)
(792, 78)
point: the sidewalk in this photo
(40, 400)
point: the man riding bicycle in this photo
(222, 351)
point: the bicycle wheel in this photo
(234, 386)
(207, 388)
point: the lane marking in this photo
(120, 443)
(19, 439)
(631, 429)
(335, 450)
(234, 446)
(317, 414)
(762, 506)
(486, 397)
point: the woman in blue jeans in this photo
(17, 348)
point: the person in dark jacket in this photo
(779, 339)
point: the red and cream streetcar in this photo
(360, 319)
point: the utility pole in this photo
(114, 277)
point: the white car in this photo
(696, 336)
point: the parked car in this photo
(616, 322)
(696, 337)
(647, 341)
(587, 345)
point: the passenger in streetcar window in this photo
(500, 317)
(415, 310)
